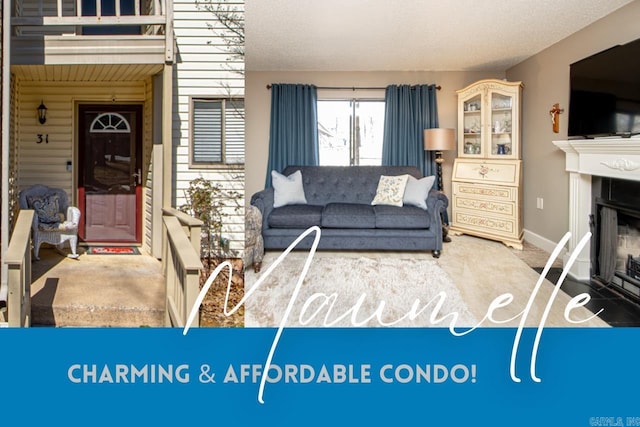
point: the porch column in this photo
(167, 137)
(4, 156)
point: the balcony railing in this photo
(63, 19)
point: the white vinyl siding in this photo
(206, 70)
(218, 132)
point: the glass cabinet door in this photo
(501, 143)
(473, 126)
(488, 114)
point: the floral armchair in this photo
(54, 222)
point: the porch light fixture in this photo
(439, 140)
(42, 113)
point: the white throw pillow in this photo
(390, 190)
(287, 190)
(417, 190)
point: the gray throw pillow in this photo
(287, 190)
(417, 190)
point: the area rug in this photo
(113, 250)
(380, 291)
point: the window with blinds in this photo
(217, 131)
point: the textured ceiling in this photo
(409, 35)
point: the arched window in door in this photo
(110, 123)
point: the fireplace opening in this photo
(615, 222)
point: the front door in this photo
(110, 173)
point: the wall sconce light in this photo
(42, 113)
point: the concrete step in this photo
(97, 290)
(96, 316)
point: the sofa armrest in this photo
(437, 203)
(263, 200)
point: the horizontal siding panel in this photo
(205, 63)
(204, 73)
(206, 86)
(234, 180)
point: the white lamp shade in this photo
(439, 139)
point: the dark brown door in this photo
(110, 173)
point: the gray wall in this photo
(546, 82)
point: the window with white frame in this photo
(350, 132)
(217, 135)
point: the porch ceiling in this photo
(85, 73)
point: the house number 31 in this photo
(42, 138)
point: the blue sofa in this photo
(339, 202)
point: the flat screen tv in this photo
(605, 93)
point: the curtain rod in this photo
(351, 88)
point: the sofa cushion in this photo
(401, 217)
(296, 216)
(417, 190)
(348, 215)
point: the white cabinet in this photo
(487, 175)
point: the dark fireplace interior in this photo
(615, 245)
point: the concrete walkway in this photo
(96, 290)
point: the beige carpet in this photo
(483, 269)
(477, 272)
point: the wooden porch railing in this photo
(66, 17)
(18, 261)
(182, 266)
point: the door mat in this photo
(113, 250)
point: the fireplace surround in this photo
(593, 165)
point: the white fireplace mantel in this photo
(606, 157)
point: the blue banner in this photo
(318, 376)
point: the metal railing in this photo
(182, 266)
(18, 261)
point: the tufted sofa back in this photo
(345, 184)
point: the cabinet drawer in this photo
(484, 206)
(485, 192)
(485, 224)
(487, 171)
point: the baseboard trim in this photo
(543, 243)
